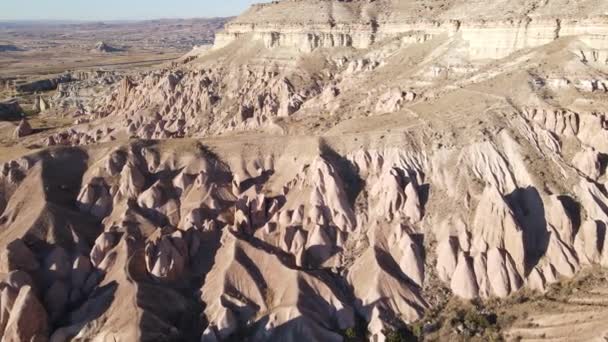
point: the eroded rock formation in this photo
(310, 175)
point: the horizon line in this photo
(6, 20)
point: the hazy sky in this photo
(119, 9)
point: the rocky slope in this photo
(319, 177)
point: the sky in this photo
(119, 9)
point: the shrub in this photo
(350, 334)
(401, 335)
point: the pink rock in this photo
(463, 282)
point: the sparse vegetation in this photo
(455, 319)
(474, 321)
(417, 329)
(350, 334)
(400, 335)
(357, 333)
(30, 112)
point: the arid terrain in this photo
(388, 170)
(38, 48)
(37, 56)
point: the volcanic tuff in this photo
(328, 165)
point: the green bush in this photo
(475, 320)
(417, 329)
(358, 332)
(350, 334)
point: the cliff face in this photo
(359, 24)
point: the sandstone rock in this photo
(377, 288)
(561, 256)
(320, 246)
(593, 200)
(588, 162)
(23, 129)
(502, 275)
(480, 265)
(41, 104)
(390, 101)
(390, 194)
(410, 258)
(167, 259)
(95, 199)
(296, 245)
(183, 182)
(446, 260)
(28, 319)
(18, 279)
(463, 281)
(329, 192)
(81, 269)
(104, 243)
(7, 301)
(495, 225)
(587, 243)
(58, 263)
(152, 198)
(287, 286)
(559, 219)
(115, 163)
(536, 281)
(56, 299)
(17, 256)
(413, 207)
(131, 180)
